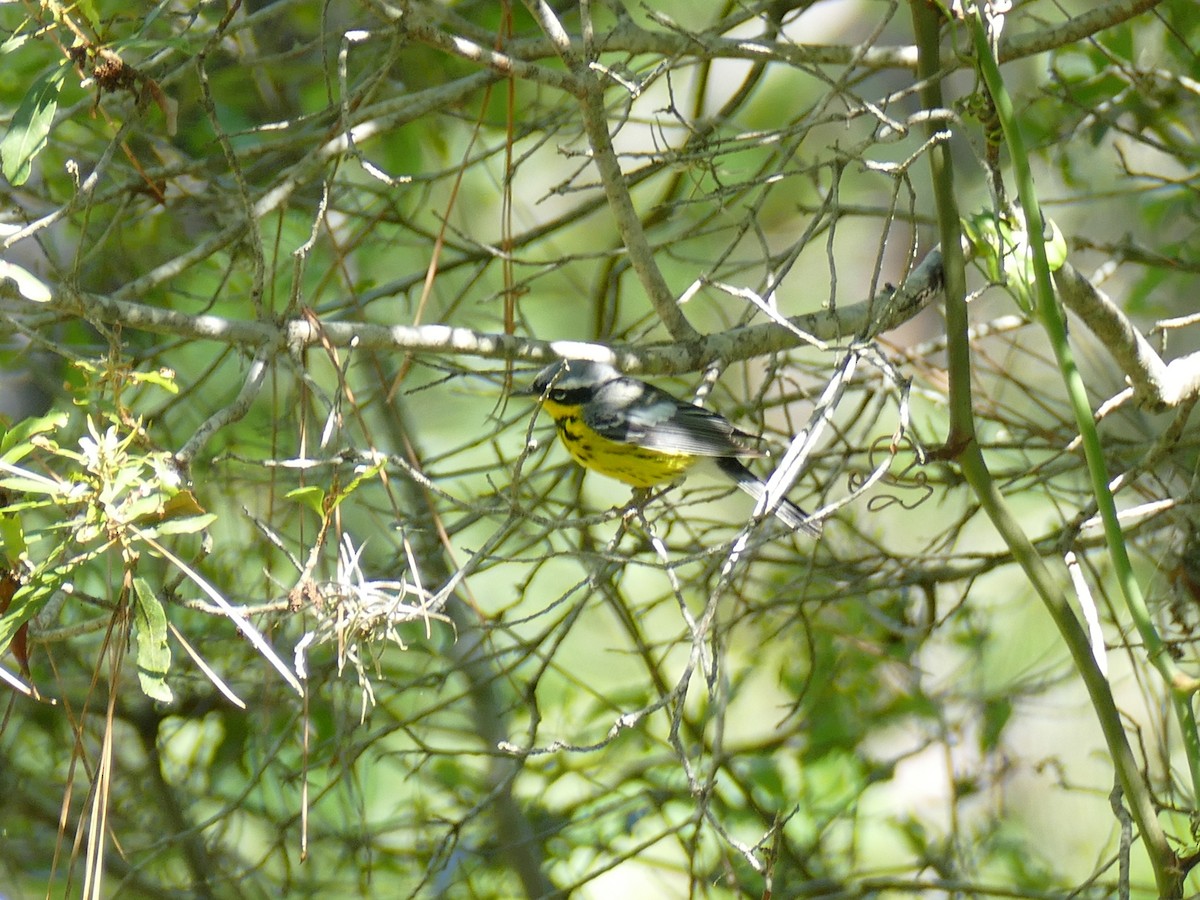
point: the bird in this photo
(637, 433)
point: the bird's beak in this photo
(526, 389)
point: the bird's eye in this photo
(558, 395)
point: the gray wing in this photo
(633, 412)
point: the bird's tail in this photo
(787, 511)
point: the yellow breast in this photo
(636, 466)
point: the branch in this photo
(383, 118)
(504, 64)
(629, 225)
(477, 661)
(628, 37)
(1157, 386)
(847, 324)
(236, 411)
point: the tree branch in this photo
(629, 37)
(604, 156)
(1157, 386)
(859, 321)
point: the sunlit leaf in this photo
(28, 285)
(26, 136)
(187, 525)
(153, 654)
(1000, 244)
(312, 497)
(12, 538)
(161, 377)
(26, 603)
(15, 442)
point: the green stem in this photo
(962, 441)
(1052, 321)
(1165, 862)
(962, 420)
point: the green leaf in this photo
(12, 540)
(1001, 245)
(24, 481)
(26, 136)
(313, 497)
(27, 602)
(996, 713)
(365, 474)
(1056, 246)
(153, 654)
(163, 378)
(188, 525)
(88, 8)
(15, 42)
(14, 443)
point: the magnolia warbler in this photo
(632, 431)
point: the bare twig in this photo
(1157, 385)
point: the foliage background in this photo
(508, 687)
